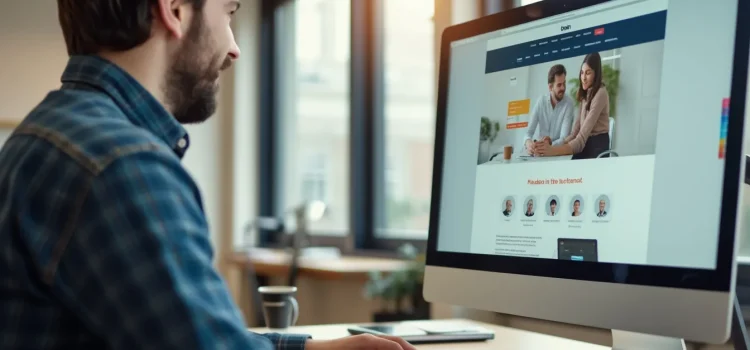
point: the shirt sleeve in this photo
(138, 270)
(533, 122)
(598, 103)
(566, 126)
(576, 127)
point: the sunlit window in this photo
(315, 112)
(409, 116)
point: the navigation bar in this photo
(596, 15)
(609, 36)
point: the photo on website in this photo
(599, 104)
(583, 90)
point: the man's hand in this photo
(530, 146)
(361, 342)
(541, 148)
(548, 140)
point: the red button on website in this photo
(598, 31)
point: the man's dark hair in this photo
(553, 202)
(90, 26)
(554, 71)
(577, 201)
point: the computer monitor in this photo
(588, 164)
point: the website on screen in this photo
(586, 138)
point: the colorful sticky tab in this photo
(723, 127)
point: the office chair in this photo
(610, 152)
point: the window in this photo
(347, 116)
(314, 108)
(315, 178)
(409, 113)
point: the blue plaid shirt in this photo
(103, 238)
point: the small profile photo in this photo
(529, 206)
(553, 206)
(508, 204)
(602, 206)
(576, 204)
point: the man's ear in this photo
(173, 15)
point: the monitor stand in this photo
(622, 340)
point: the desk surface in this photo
(505, 338)
(274, 262)
(526, 159)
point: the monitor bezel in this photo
(718, 279)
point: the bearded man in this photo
(104, 242)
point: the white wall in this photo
(499, 92)
(638, 100)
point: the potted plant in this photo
(611, 79)
(400, 292)
(487, 134)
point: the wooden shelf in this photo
(7, 124)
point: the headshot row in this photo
(554, 207)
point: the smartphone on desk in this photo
(416, 334)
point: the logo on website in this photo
(564, 28)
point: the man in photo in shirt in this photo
(552, 113)
(553, 207)
(508, 208)
(602, 205)
(530, 208)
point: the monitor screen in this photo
(595, 135)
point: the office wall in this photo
(33, 55)
(501, 88)
(638, 100)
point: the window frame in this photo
(367, 139)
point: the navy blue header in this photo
(632, 31)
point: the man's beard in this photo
(559, 97)
(191, 84)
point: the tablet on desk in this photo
(422, 334)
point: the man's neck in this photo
(552, 99)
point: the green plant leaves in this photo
(488, 130)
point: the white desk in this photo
(520, 160)
(505, 338)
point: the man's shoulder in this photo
(545, 97)
(86, 126)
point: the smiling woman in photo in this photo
(590, 134)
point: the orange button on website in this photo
(518, 107)
(517, 125)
